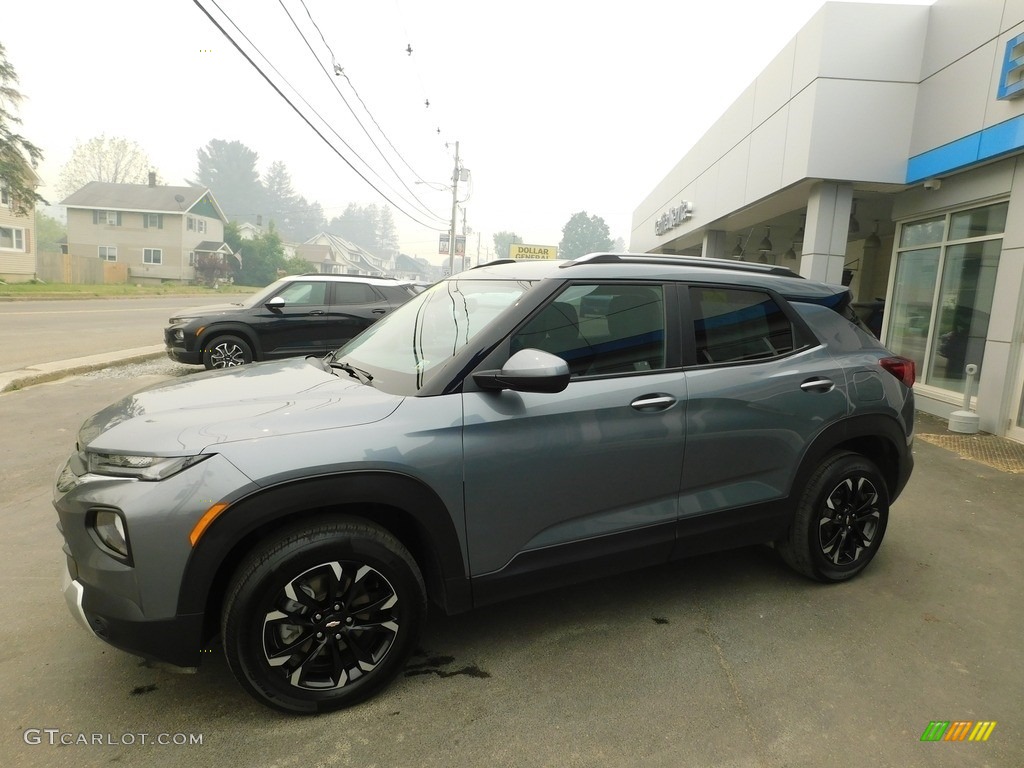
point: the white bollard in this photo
(966, 421)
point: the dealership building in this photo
(882, 148)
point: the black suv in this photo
(515, 427)
(297, 315)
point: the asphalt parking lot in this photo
(725, 660)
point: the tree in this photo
(294, 216)
(49, 233)
(502, 240)
(262, 256)
(18, 155)
(228, 169)
(297, 265)
(116, 160)
(212, 268)
(387, 233)
(358, 225)
(583, 234)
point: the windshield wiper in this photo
(356, 373)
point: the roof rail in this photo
(497, 261)
(690, 261)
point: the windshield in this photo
(415, 339)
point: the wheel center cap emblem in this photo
(332, 624)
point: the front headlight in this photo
(140, 467)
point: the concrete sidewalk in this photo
(37, 374)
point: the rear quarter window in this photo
(735, 325)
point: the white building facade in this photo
(882, 148)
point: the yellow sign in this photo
(524, 252)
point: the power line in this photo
(349, 106)
(299, 112)
(419, 204)
(341, 71)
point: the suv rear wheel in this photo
(840, 521)
(323, 616)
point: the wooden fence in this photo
(79, 270)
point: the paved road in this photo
(729, 660)
(34, 332)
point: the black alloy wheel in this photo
(323, 616)
(331, 625)
(850, 521)
(227, 352)
(840, 520)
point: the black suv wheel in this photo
(227, 352)
(840, 521)
(322, 616)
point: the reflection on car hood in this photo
(188, 415)
(207, 309)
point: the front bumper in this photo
(73, 593)
(178, 351)
(182, 355)
(134, 605)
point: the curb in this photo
(43, 372)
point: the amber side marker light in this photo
(204, 522)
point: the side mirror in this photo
(529, 370)
(275, 303)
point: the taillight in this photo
(903, 369)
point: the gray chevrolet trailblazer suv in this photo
(516, 427)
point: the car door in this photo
(300, 326)
(355, 306)
(759, 388)
(585, 480)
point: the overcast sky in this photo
(558, 106)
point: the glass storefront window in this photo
(965, 305)
(913, 294)
(923, 232)
(941, 298)
(978, 222)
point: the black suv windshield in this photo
(429, 329)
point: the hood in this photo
(251, 402)
(207, 309)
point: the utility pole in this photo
(455, 208)
(465, 247)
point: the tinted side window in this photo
(601, 329)
(731, 325)
(303, 293)
(354, 293)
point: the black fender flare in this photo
(230, 328)
(877, 436)
(400, 503)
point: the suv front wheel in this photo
(227, 352)
(840, 520)
(323, 616)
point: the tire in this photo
(840, 521)
(227, 352)
(357, 603)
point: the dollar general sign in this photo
(522, 251)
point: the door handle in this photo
(655, 402)
(379, 311)
(818, 384)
